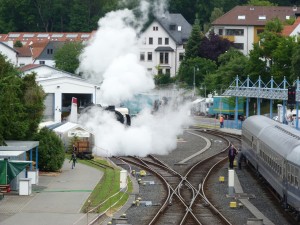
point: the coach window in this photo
(296, 177)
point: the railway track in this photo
(184, 200)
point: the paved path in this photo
(56, 199)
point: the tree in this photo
(295, 72)
(19, 96)
(66, 58)
(200, 66)
(192, 47)
(33, 98)
(213, 46)
(51, 150)
(232, 63)
(260, 3)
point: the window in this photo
(164, 58)
(172, 27)
(42, 62)
(49, 51)
(239, 46)
(166, 41)
(262, 17)
(259, 31)
(149, 56)
(160, 41)
(155, 28)
(168, 71)
(150, 41)
(235, 32)
(220, 31)
(159, 71)
(181, 56)
(241, 17)
(142, 56)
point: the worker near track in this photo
(221, 121)
(73, 159)
(231, 155)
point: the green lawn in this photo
(107, 186)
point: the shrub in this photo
(51, 150)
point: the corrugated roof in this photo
(65, 127)
(19, 145)
(27, 37)
(255, 15)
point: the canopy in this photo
(10, 169)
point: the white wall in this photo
(145, 47)
(9, 53)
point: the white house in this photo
(7, 50)
(162, 44)
(242, 24)
(60, 87)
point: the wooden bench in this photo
(4, 188)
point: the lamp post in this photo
(204, 89)
(194, 81)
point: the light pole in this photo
(194, 81)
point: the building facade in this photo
(162, 44)
(242, 24)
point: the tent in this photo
(10, 169)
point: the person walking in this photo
(73, 159)
(231, 155)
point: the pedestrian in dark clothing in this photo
(73, 159)
(74, 148)
(231, 155)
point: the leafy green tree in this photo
(282, 60)
(51, 150)
(21, 103)
(232, 63)
(200, 66)
(260, 3)
(33, 99)
(295, 71)
(192, 47)
(12, 116)
(18, 44)
(162, 79)
(66, 58)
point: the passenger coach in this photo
(274, 151)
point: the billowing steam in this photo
(112, 60)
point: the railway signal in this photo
(291, 95)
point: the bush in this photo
(51, 150)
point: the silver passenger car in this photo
(274, 151)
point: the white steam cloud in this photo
(111, 58)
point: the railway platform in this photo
(55, 200)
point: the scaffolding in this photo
(261, 90)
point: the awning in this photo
(10, 169)
(164, 49)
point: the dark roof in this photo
(176, 26)
(164, 49)
(50, 49)
(255, 15)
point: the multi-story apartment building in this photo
(242, 24)
(162, 44)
